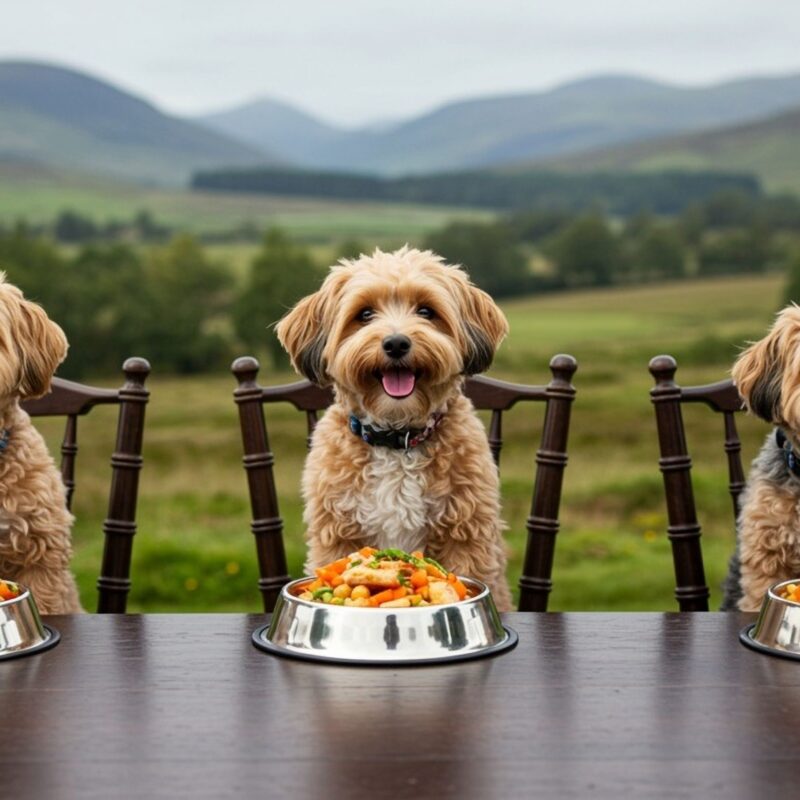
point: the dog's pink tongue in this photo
(398, 382)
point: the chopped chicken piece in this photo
(395, 565)
(366, 576)
(403, 602)
(442, 592)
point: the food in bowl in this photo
(390, 578)
(791, 592)
(9, 590)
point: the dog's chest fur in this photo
(393, 508)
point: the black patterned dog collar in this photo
(395, 438)
(789, 456)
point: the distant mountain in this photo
(769, 149)
(63, 118)
(270, 125)
(576, 117)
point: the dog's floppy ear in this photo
(304, 331)
(766, 373)
(485, 327)
(302, 334)
(41, 345)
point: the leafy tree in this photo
(184, 322)
(659, 253)
(350, 249)
(792, 291)
(102, 309)
(147, 229)
(534, 226)
(735, 251)
(488, 252)
(70, 226)
(280, 274)
(587, 252)
(729, 208)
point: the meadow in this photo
(194, 550)
(38, 195)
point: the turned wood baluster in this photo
(119, 526)
(733, 449)
(267, 525)
(69, 451)
(551, 459)
(311, 423)
(675, 464)
(496, 435)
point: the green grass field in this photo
(39, 195)
(194, 550)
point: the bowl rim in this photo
(52, 639)
(24, 594)
(772, 592)
(484, 592)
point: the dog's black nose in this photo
(396, 345)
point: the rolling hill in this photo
(770, 149)
(573, 118)
(275, 126)
(62, 118)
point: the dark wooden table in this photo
(615, 705)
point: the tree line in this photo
(619, 193)
(535, 251)
(187, 312)
(170, 303)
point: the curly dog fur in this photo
(767, 375)
(35, 545)
(442, 495)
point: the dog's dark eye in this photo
(426, 312)
(365, 315)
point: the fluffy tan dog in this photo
(35, 546)
(400, 459)
(767, 375)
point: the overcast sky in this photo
(355, 61)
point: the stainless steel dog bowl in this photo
(21, 630)
(388, 636)
(777, 629)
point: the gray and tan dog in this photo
(767, 375)
(35, 542)
(400, 459)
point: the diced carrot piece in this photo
(419, 578)
(339, 566)
(418, 555)
(400, 593)
(461, 590)
(367, 551)
(382, 597)
(314, 585)
(336, 580)
(328, 575)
